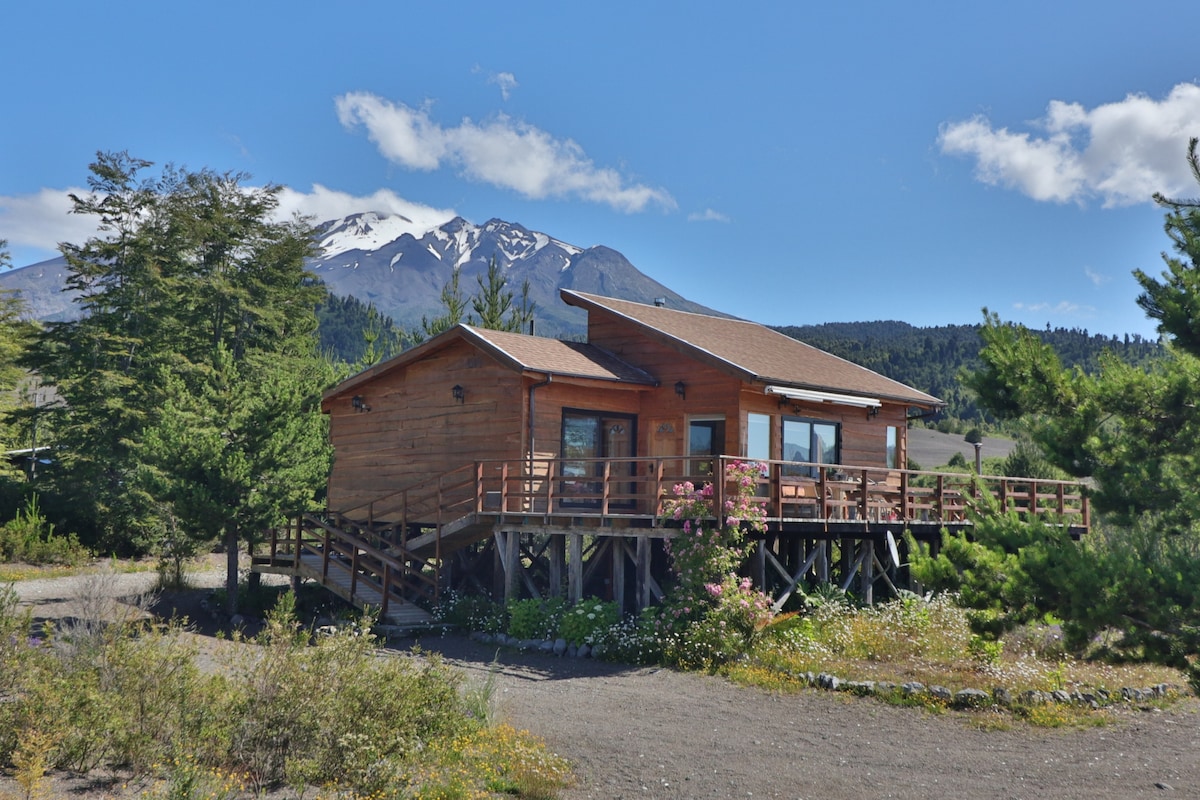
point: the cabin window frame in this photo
(704, 464)
(813, 445)
(579, 483)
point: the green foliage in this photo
(190, 380)
(493, 304)
(30, 538)
(710, 615)
(355, 333)
(931, 358)
(284, 711)
(535, 619)
(973, 436)
(586, 620)
(470, 612)
(454, 309)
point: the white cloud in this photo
(1121, 152)
(506, 81)
(1063, 307)
(324, 204)
(42, 220)
(707, 215)
(1096, 278)
(503, 152)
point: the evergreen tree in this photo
(454, 306)
(191, 379)
(493, 302)
(1135, 431)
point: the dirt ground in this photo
(655, 733)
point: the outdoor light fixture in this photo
(872, 411)
(681, 389)
(359, 404)
(460, 394)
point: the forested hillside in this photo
(930, 359)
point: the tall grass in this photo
(127, 693)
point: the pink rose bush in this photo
(710, 614)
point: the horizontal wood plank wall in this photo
(416, 429)
(707, 390)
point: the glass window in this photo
(810, 440)
(706, 437)
(758, 437)
(893, 447)
(591, 435)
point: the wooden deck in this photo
(402, 540)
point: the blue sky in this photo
(789, 163)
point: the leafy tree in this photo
(190, 380)
(15, 334)
(1135, 432)
(102, 364)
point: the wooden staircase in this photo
(357, 564)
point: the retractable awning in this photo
(824, 397)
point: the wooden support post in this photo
(618, 573)
(498, 572)
(512, 566)
(643, 572)
(823, 560)
(867, 573)
(575, 567)
(557, 559)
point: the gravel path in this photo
(655, 733)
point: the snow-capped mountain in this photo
(404, 276)
(387, 260)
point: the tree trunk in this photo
(231, 570)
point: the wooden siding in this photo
(713, 392)
(708, 392)
(416, 429)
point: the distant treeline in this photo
(931, 359)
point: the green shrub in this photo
(470, 612)
(29, 538)
(535, 619)
(582, 623)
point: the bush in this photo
(470, 612)
(583, 623)
(535, 619)
(287, 711)
(29, 538)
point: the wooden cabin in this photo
(650, 381)
(518, 464)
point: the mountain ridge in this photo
(400, 268)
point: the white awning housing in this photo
(824, 397)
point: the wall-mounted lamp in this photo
(460, 394)
(872, 411)
(681, 389)
(359, 404)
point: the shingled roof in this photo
(753, 351)
(521, 353)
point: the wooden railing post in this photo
(479, 492)
(504, 487)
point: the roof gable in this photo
(752, 351)
(519, 352)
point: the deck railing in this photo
(628, 488)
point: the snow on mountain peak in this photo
(366, 231)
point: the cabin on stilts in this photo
(515, 465)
